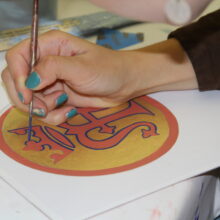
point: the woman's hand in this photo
(72, 72)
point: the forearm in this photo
(149, 10)
(162, 66)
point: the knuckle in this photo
(54, 32)
(52, 120)
(58, 35)
(64, 43)
(48, 65)
(56, 121)
(4, 75)
(49, 62)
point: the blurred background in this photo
(17, 13)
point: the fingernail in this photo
(61, 99)
(21, 97)
(71, 113)
(33, 80)
(39, 112)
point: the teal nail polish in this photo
(39, 112)
(33, 80)
(71, 113)
(21, 97)
(61, 99)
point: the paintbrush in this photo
(33, 54)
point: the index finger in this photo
(18, 59)
(52, 43)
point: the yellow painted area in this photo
(132, 149)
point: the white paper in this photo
(196, 151)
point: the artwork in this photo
(95, 142)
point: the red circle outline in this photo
(167, 145)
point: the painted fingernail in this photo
(21, 97)
(33, 80)
(39, 112)
(71, 113)
(61, 99)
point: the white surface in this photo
(170, 203)
(14, 206)
(196, 151)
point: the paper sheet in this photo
(196, 151)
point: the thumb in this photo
(50, 69)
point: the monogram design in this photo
(60, 138)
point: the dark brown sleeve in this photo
(201, 41)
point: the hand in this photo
(70, 73)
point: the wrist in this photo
(160, 67)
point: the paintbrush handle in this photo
(34, 34)
(33, 56)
